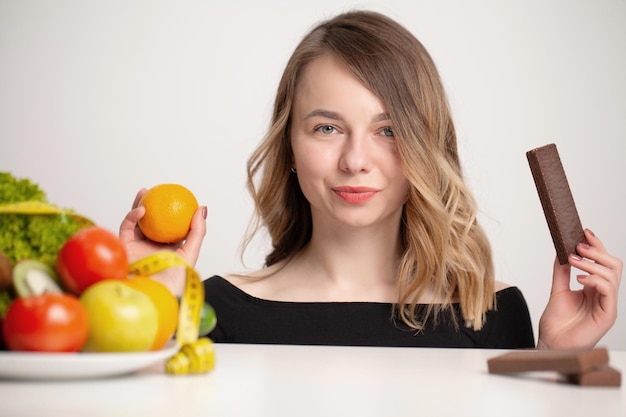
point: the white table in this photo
(262, 380)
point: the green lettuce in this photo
(27, 236)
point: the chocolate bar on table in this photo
(573, 361)
(604, 376)
(579, 366)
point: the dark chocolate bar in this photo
(602, 377)
(556, 199)
(568, 362)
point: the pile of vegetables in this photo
(24, 236)
(66, 284)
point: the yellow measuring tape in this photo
(196, 354)
(37, 207)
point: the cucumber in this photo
(34, 278)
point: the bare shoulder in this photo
(257, 283)
(271, 284)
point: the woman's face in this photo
(344, 150)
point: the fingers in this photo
(197, 231)
(139, 196)
(560, 277)
(601, 293)
(128, 229)
(596, 251)
(189, 248)
(604, 272)
(595, 260)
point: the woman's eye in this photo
(326, 129)
(387, 131)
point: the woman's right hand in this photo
(138, 246)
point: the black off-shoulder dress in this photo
(242, 318)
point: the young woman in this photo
(374, 233)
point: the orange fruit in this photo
(169, 209)
(166, 304)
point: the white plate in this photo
(36, 365)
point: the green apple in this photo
(121, 319)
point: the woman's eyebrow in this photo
(324, 113)
(382, 117)
(336, 116)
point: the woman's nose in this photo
(356, 153)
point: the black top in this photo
(242, 318)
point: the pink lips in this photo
(355, 195)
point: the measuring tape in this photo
(196, 355)
(37, 207)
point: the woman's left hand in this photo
(579, 319)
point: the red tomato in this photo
(46, 323)
(89, 256)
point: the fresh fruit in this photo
(46, 323)
(34, 278)
(121, 318)
(208, 320)
(169, 209)
(166, 304)
(91, 255)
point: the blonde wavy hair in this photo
(445, 249)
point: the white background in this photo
(101, 98)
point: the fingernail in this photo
(590, 232)
(575, 257)
(584, 245)
(204, 212)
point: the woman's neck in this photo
(340, 263)
(350, 263)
